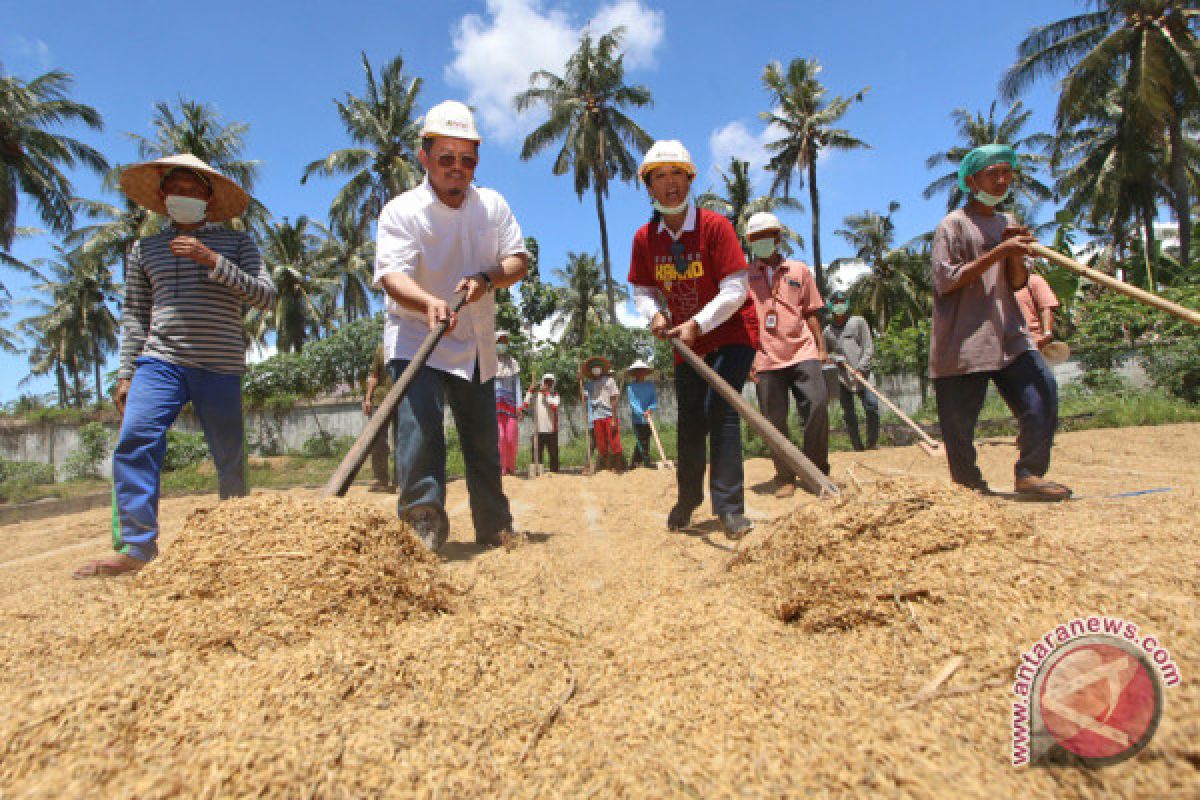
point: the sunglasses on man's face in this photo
(447, 160)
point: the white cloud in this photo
(736, 140)
(495, 52)
(28, 51)
(629, 316)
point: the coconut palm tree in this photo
(117, 228)
(9, 340)
(76, 329)
(32, 158)
(290, 252)
(585, 114)
(805, 118)
(897, 280)
(196, 128)
(1148, 53)
(581, 299)
(12, 262)
(976, 129)
(347, 254)
(738, 203)
(381, 124)
(1107, 173)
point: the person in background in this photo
(849, 336)
(508, 404)
(181, 341)
(602, 396)
(643, 402)
(1038, 301)
(979, 335)
(380, 380)
(791, 348)
(542, 405)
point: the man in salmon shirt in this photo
(791, 346)
(1038, 301)
(692, 258)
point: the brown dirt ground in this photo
(606, 657)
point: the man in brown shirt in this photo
(979, 334)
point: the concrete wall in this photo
(271, 432)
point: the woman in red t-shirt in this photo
(692, 258)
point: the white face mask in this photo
(186, 210)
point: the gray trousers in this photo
(806, 383)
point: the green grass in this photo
(1079, 409)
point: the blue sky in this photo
(278, 66)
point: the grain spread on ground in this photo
(603, 656)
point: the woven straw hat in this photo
(601, 360)
(141, 182)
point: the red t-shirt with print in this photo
(711, 253)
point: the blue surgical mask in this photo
(991, 200)
(667, 211)
(762, 248)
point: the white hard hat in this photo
(501, 334)
(548, 377)
(451, 119)
(667, 152)
(763, 221)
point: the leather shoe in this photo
(680, 517)
(736, 525)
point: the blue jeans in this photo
(421, 445)
(158, 392)
(706, 421)
(1028, 387)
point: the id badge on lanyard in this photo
(771, 321)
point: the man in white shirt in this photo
(444, 238)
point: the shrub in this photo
(1176, 368)
(326, 445)
(184, 449)
(84, 462)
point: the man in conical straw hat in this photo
(181, 341)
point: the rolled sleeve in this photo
(509, 240)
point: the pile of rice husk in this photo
(850, 561)
(271, 569)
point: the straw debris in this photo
(841, 564)
(270, 569)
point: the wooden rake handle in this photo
(343, 476)
(928, 444)
(1108, 281)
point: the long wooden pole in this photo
(343, 476)
(662, 454)
(1108, 281)
(587, 423)
(928, 444)
(813, 479)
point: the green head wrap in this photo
(981, 158)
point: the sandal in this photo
(1040, 490)
(111, 567)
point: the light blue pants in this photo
(158, 392)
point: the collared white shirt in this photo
(437, 246)
(689, 223)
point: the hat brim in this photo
(141, 183)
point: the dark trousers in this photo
(870, 404)
(806, 383)
(641, 448)
(707, 422)
(421, 445)
(380, 452)
(1028, 387)
(547, 444)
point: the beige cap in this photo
(763, 221)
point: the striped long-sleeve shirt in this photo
(182, 312)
